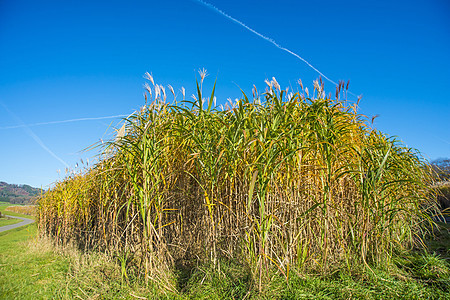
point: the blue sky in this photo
(64, 60)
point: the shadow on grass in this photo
(228, 280)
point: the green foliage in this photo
(438, 241)
(443, 198)
(36, 269)
(18, 194)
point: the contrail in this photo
(267, 39)
(41, 143)
(34, 136)
(442, 140)
(59, 122)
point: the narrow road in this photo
(25, 221)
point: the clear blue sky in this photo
(63, 60)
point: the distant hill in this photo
(18, 193)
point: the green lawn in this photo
(4, 205)
(8, 221)
(26, 273)
(31, 269)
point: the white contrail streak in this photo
(63, 121)
(267, 39)
(41, 143)
(34, 136)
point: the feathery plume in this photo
(157, 91)
(121, 132)
(149, 76)
(171, 89)
(275, 84)
(203, 74)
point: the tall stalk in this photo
(279, 182)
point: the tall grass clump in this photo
(281, 182)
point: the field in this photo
(26, 211)
(3, 219)
(289, 195)
(29, 210)
(8, 221)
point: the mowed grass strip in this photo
(8, 221)
(32, 268)
(25, 275)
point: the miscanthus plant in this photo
(281, 182)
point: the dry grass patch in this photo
(30, 210)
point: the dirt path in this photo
(25, 221)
